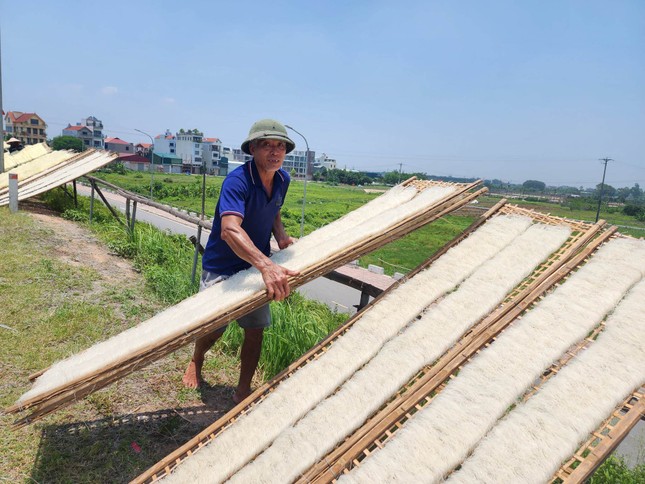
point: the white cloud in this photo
(168, 100)
(109, 90)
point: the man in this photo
(247, 213)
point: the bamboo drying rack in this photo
(166, 465)
(429, 382)
(581, 234)
(59, 397)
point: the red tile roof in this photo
(18, 117)
(75, 128)
(144, 145)
(117, 141)
(211, 140)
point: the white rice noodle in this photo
(330, 242)
(553, 423)
(293, 398)
(27, 154)
(299, 447)
(194, 311)
(440, 436)
(394, 197)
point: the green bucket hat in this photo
(268, 129)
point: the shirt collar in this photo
(255, 174)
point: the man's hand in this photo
(276, 278)
(284, 243)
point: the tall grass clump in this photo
(616, 471)
(298, 324)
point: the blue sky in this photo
(496, 89)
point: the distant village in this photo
(189, 151)
(186, 151)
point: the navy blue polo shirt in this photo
(243, 195)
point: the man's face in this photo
(268, 154)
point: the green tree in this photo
(607, 191)
(534, 185)
(67, 143)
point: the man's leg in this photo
(250, 356)
(193, 376)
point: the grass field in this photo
(627, 225)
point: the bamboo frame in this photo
(603, 441)
(76, 165)
(430, 381)
(166, 465)
(57, 398)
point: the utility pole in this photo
(602, 185)
(400, 171)
(1, 113)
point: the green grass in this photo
(297, 325)
(614, 216)
(615, 471)
(405, 254)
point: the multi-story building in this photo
(165, 143)
(97, 130)
(89, 130)
(189, 149)
(118, 145)
(29, 128)
(299, 163)
(212, 155)
(324, 161)
(83, 133)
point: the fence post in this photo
(13, 192)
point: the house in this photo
(143, 149)
(85, 134)
(96, 125)
(118, 145)
(134, 162)
(212, 155)
(29, 128)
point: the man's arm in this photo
(280, 233)
(275, 276)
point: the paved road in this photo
(337, 296)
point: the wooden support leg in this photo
(365, 299)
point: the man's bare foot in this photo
(192, 377)
(241, 394)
